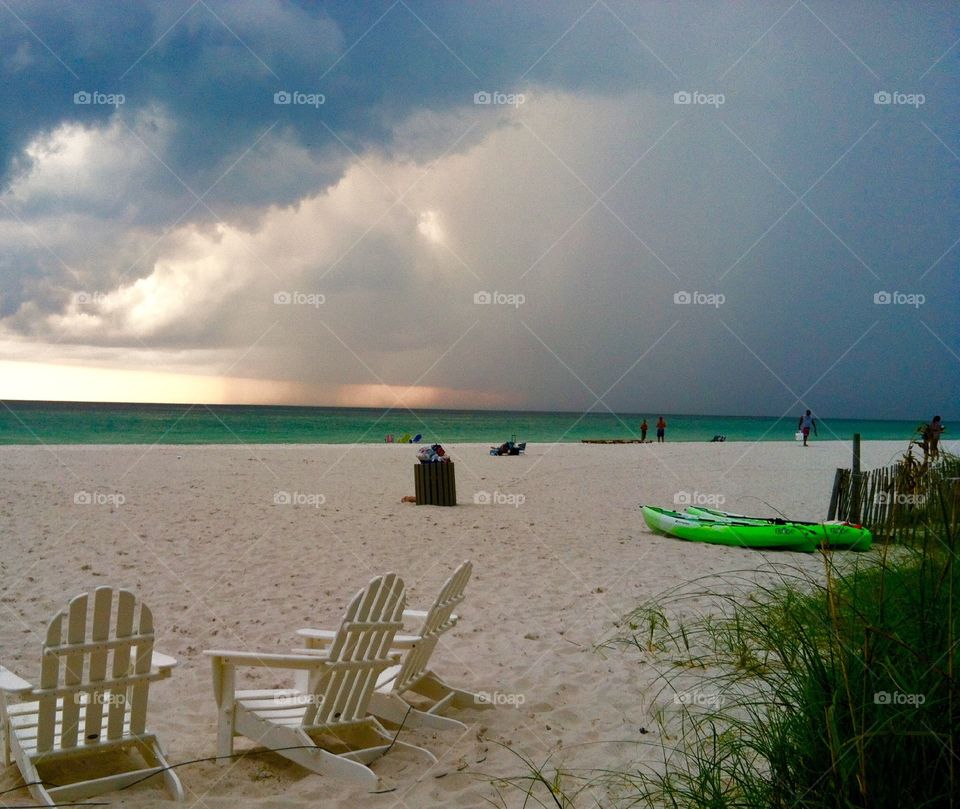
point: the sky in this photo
(739, 209)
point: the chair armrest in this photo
(418, 618)
(421, 615)
(405, 641)
(272, 660)
(319, 637)
(158, 661)
(162, 661)
(395, 657)
(316, 641)
(13, 684)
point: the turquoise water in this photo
(86, 423)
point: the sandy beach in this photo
(203, 535)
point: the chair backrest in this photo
(359, 652)
(96, 661)
(417, 660)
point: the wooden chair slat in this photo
(73, 669)
(102, 607)
(126, 603)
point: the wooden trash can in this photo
(435, 484)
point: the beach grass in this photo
(839, 691)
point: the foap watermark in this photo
(695, 298)
(895, 98)
(706, 699)
(296, 700)
(914, 299)
(314, 499)
(497, 98)
(314, 299)
(98, 99)
(499, 499)
(514, 299)
(888, 498)
(695, 97)
(99, 698)
(698, 499)
(499, 698)
(296, 98)
(89, 298)
(898, 698)
(85, 498)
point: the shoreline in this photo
(949, 446)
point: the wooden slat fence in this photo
(883, 498)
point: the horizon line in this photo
(8, 402)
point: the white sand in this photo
(201, 540)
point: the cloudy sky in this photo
(683, 207)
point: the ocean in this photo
(101, 423)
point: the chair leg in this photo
(224, 689)
(381, 732)
(5, 732)
(155, 756)
(323, 762)
(225, 734)
(391, 708)
(397, 745)
(432, 687)
(31, 776)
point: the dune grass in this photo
(840, 691)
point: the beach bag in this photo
(798, 435)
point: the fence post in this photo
(835, 495)
(854, 513)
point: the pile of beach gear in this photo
(433, 454)
(509, 448)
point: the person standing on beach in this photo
(806, 422)
(643, 430)
(661, 430)
(931, 438)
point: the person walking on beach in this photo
(931, 438)
(643, 430)
(661, 430)
(806, 422)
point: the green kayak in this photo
(739, 534)
(836, 534)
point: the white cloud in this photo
(395, 248)
(86, 167)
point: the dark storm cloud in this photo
(777, 155)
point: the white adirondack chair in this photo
(96, 666)
(412, 679)
(328, 720)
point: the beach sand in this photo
(558, 561)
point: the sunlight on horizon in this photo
(38, 381)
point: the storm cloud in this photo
(681, 208)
